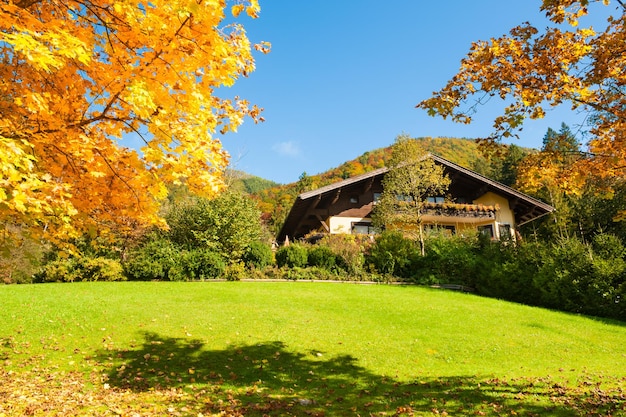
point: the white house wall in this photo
(344, 224)
(504, 216)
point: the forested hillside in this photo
(275, 201)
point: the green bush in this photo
(349, 250)
(227, 224)
(236, 271)
(197, 264)
(152, 261)
(60, 270)
(584, 278)
(258, 255)
(563, 275)
(605, 288)
(323, 257)
(81, 269)
(448, 260)
(392, 254)
(100, 269)
(508, 271)
(294, 255)
(309, 274)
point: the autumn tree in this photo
(532, 70)
(411, 179)
(552, 174)
(80, 78)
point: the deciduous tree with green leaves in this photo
(412, 177)
(227, 224)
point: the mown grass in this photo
(299, 348)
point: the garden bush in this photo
(258, 255)
(323, 257)
(448, 260)
(563, 275)
(293, 255)
(392, 254)
(152, 261)
(197, 264)
(81, 269)
(349, 251)
(59, 270)
(100, 269)
(507, 271)
(235, 271)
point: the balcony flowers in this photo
(461, 210)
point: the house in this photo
(473, 203)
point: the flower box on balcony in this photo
(460, 210)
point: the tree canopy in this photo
(78, 78)
(532, 70)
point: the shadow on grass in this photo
(272, 379)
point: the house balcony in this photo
(463, 213)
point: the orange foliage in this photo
(77, 78)
(532, 70)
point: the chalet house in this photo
(473, 203)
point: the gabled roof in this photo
(526, 208)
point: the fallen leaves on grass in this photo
(46, 392)
(179, 377)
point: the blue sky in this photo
(344, 76)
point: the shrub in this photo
(564, 276)
(508, 271)
(227, 224)
(197, 264)
(608, 246)
(392, 253)
(236, 271)
(81, 269)
(60, 270)
(152, 261)
(100, 269)
(323, 257)
(258, 255)
(448, 260)
(294, 255)
(349, 251)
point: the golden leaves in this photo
(531, 71)
(86, 75)
(236, 9)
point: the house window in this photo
(362, 228)
(505, 232)
(354, 199)
(436, 200)
(377, 197)
(486, 230)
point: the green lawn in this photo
(299, 348)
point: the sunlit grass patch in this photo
(300, 348)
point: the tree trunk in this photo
(421, 238)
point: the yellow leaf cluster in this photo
(532, 70)
(79, 78)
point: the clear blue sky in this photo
(344, 76)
